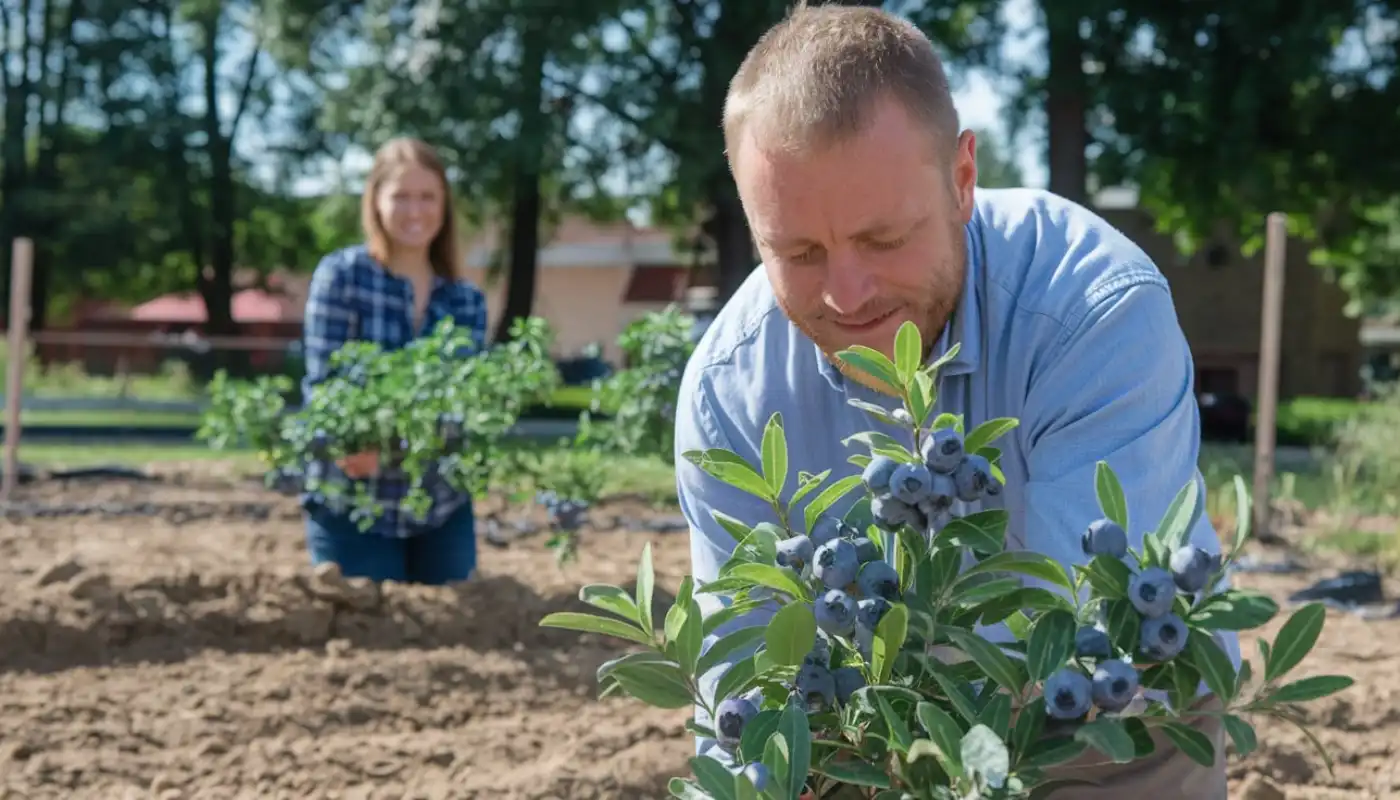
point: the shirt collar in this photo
(963, 327)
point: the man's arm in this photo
(1118, 388)
(699, 427)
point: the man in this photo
(860, 193)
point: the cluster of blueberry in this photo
(922, 495)
(565, 514)
(1112, 682)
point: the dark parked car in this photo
(1224, 417)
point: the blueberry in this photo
(836, 613)
(796, 552)
(878, 472)
(1152, 592)
(972, 477)
(943, 450)
(1092, 643)
(994, 488)
(890, 513)
(1068, 694)
(1163, 637)
(1192, 568)
(902, 416)
(942, 492)
(910, 483)
(835, 563)
(865, 549)
(848, 681)
(869, 612)
(824, 530)
(1104, 537)
(730, 718)
(757, 775)
(820, 654)
(1115, 683)
(879, 579)
(816, 687)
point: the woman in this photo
(396, 286)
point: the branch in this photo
(617, 110)
(246, 90)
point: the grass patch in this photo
(1379, 549)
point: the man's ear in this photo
(965, 173)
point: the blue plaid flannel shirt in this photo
(352, 297)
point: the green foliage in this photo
(434, 409)
(643, 395)
(904, 719)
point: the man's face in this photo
(865, 235)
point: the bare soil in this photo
(170, 641)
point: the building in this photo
(1218, 294)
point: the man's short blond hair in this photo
(814, 79)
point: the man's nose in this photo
(849, 286)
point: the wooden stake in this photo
(21, 269)
(1275, 246)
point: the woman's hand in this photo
(360, 465)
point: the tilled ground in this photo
(170, 642)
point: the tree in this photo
(996, 169)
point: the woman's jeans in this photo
(435, 556)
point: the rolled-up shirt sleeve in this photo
(1118, 388)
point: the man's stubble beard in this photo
(941, 298)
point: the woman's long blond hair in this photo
(445, 252)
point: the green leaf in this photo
(775, 454)
(854, 773)
(1024, 562)
(958, 692)
(1234, 610)
(1051, 644)
(591, 623)
(714, 778)
(729, 613)
(828, 498)
(794, 728)
(1109, 576)
(1242, 734)
(988, 432)
(1181, 515)
(945, 421)
(791, 634)
(732, 526)
(806, 484)
(1052, 789)
(1242, 513)
(900, 737)
(657, 683)
(686, 790)
(882, 444)
(981, 535)
(923, 397)
(728, 467)
(946, 735)
(990, 658)
(1110, 492)
(729, 643)
(1030, 723)
(1309, 689)
(1214, 665)
(1108, 736)
(873, 363)
(756, 734)
(984, 591)
(1124, 625)
(985, 754)
(908, 353)
(889, 637)
(997, 714)
(877, 411)
(609, 598)
(735, 678)
(1053, 751)
(1295, 640)
(1196, 745)
(778, 578)
(691, 637)
(646, 579)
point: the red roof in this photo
(249, 305)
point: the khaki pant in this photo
(1167, 774)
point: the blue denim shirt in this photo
(352, 297)
(1064, 324)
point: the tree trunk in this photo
(217, 286)
(53, 131)
(526, 201)
(1066, 104)
(14, 173)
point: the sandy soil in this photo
(170, 642)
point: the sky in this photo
(979, 96)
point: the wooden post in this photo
(21, 267)
(1275, 246)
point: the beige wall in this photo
(1219, 308)
(582, 304)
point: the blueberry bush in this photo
(850, 684)
(642, 401)
(436, 409)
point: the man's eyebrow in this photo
(898, 227)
